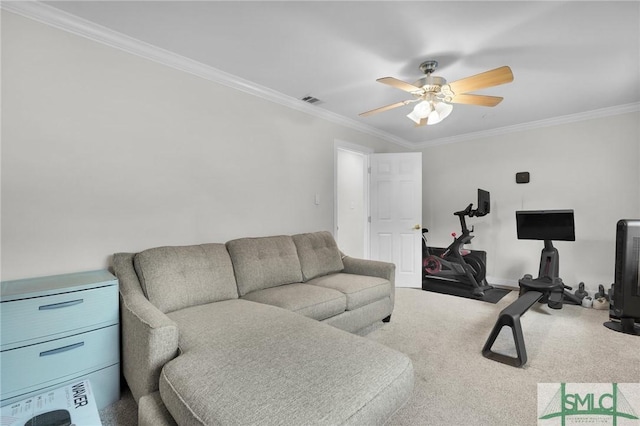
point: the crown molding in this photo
(555, 121)
(57, 18)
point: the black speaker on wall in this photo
(522, 177)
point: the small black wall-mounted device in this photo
(522, 177)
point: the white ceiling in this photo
(567, 58)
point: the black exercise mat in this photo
(461, 290)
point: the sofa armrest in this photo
(372, 268)
(149, 337)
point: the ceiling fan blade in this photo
(399, 84)
(483, 80)
(384, 108)
(482, 100)
(423, 121)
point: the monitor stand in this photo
(549, 270)
(549, 261)
(548, 277)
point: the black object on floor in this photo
(544, 290)
(510, 317)
(454, 288)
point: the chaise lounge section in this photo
(255, 331)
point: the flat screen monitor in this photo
(484, 202)
(547, 225)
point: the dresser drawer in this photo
(105, 384)
(32, 367)
(58, 315)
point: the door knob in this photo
(417, 227)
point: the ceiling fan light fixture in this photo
(440, 111)
(423, 109)
(420, 111)
(412, 115)
(435, 96)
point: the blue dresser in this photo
(56, 330)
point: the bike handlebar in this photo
(469, 211)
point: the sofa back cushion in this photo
(173, 278)
(319, 254)
(264, 262)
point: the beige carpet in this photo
(455, 385)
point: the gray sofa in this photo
(256, 331)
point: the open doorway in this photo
(352, 199)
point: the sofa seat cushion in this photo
(319, 254)
(311, 301)
(177, 277)
(264, 365)
(359, 289)
(264, 262)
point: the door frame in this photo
(365, 152)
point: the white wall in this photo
(104, 152)
(589, 166)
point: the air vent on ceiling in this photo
(311, 100)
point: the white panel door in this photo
(396, 214)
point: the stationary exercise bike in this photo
(456, 263)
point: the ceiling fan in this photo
(435, 96)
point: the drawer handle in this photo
(62, 349)
(60, 305)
